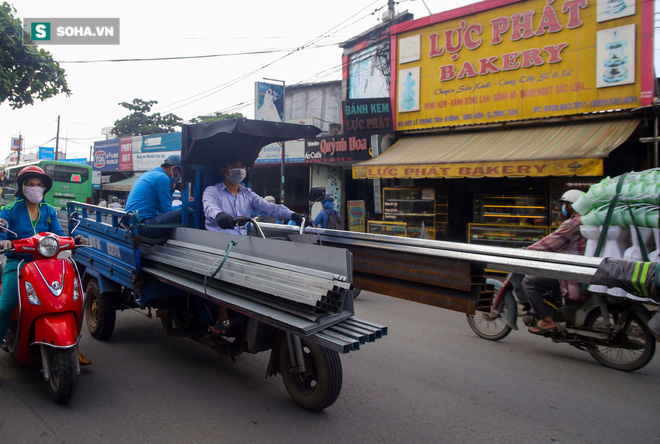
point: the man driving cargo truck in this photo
(227, 200)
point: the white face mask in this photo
(33, 194)
(236, 175)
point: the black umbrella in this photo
(223, 141)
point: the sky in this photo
(189, 87)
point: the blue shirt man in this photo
(227, 200)
(151, 198)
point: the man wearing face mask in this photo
(28, 215)
(151, 198)
(227, 200)
(566, 239)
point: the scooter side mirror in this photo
(4, 226)
(316, 194)
(75, 218)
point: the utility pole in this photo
(57, 139)
(20, 145)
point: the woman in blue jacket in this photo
(28, 215)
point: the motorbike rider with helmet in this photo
(566, 239)
(28, 215)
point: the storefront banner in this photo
(96, 180)
(126, 153)
(355, 209)
(161, 142)
(294, 150)
(106, 155)
(511, 60)
(149, 161)
(367, 115)
(528, 168)
(338, 149)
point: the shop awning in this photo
(558, 150)
(121, 185)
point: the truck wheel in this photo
(319, 385)
(62, 364)
(99, 311)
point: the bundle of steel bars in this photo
(323, 291)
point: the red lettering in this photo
(509, 61)
(435, 50)
(522, 25)
(507, 169)
(467, 71)
(549, 21)
(478, 171)
(524, 169)
(464, 171)
(555, 52)
(540, 168)
(573, 9)
(488, 66)
(408, 171)
(500, 25)
(449, 38)
(471, 43)
(493, 170)
(532, 57)
(447, 72)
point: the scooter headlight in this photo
(48, 246)
(76, 291)
(31, 294)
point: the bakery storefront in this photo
(502, 106)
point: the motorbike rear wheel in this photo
(319, 385)
(63, 373)
(493, 329)
(631, 350)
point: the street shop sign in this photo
(338, 149)
(106, 155)
(508, 60)
(527, 168)
(367, 115)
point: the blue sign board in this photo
(81, 160)
(46, 153)
(161, 142)
(106, 155)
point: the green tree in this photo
(216, 116)
(140, 122)
(26, 72)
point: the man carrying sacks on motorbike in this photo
(566, 239)
(28, 215)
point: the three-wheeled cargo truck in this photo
(292, 298)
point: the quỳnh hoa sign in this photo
(510, 60)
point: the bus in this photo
(71, 181)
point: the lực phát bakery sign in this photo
(507, 60)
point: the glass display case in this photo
(505, 235)
(441, 217)
(416, 207)
(389, 228)
(508, 220)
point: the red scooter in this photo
(45, 327)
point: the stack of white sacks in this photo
(636, 215)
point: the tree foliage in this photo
(26, 72)
(216, 116)
(141, 122)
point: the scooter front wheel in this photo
(631, 349)
(319, 384)
(63, 367)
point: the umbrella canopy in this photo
(223, 141)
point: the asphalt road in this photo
(430, 381)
